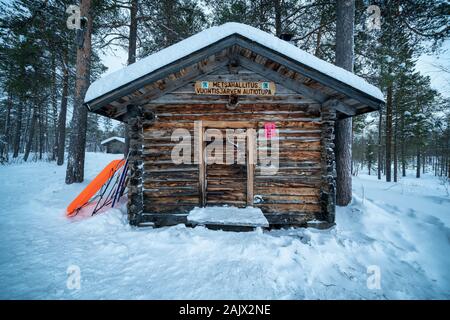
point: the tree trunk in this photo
(395, 152)
(380, 122)
(448, 168)
(389, 133)
(77, 145)
(277, 8)
(168, 19)
(418, 163)
(424, 162)
(30, 134)
(63, 112)
(54, 109)
(447, 154)
(41, 131)
(319, 36)
(344, 58)
(18, 130)
(402, 146)
(132, 39)
(4, 146)
(46, 130)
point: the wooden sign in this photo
(255, 88)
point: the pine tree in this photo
(345, 12)
(75, 163)
(170, 21)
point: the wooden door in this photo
(227, 165)
(226, 181)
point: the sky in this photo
(440, 80)
(426, 65)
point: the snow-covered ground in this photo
(400, 230)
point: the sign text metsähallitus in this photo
(258, 88)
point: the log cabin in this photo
(235, 79)
(114, 145)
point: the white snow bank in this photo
(209, 36)
(112, 139)
(383, 229)
(229, 215)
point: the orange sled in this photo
(93, 187)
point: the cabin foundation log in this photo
(135, 194)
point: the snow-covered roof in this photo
(214, 34)
(112, 139)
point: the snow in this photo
(400, 229)
(228, 215)
(112, 139)
(211, 35)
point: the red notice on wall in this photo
(269, 130)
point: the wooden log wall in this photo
(293, 196)
(135, 196)
(328, 187)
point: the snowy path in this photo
(403, 229)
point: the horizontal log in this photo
(244, 114)
(162, 157)
(155, 169)
(234, 170)
(306, 165)
(172, 200)
(226, 181)
(288, 207)
(170, 185)
(299, 155)
(272, 199)
(226, 197)
(290, 148)
(194, 192)
(167, 208)
(170, 176)
(161, 134)
(211, 177)
(254, 117)
(303, 183)
(181, 98)
(229, 189)
(289, 219)
(217, 106)
(285, 159)
(274, 178)
(158, 149)
(147, 179)
(286, 141)
(269, 191)
(291, 172)
(189, 125)
(153, 135)
(157, 125)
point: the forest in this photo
(46, 67)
